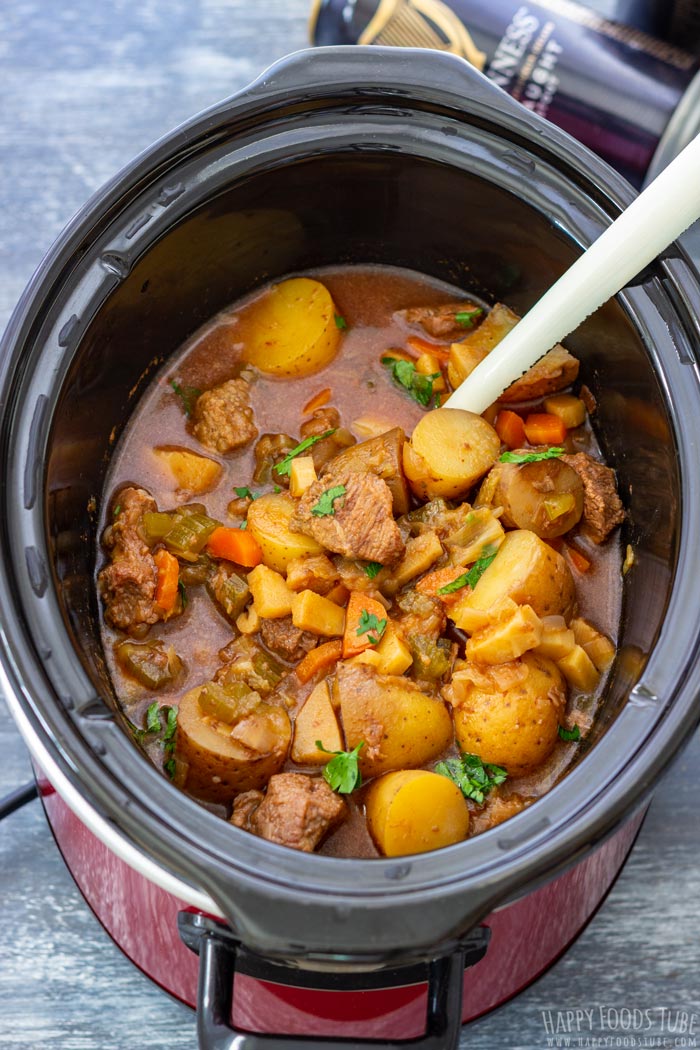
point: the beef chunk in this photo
(297, 811)
(602, 507)
(223, 418)
(494, 811)
(128, 583)
(361, 525)
(440, 321)
(288, 641)
(312, 572)
(321, 421)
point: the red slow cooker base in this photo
(526, 938)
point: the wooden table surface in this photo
(84, 85)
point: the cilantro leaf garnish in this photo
(531, 457)
(467, 317)
(325, 505)
(117, 510)
(419, 386)
(285, 465)
(570, 734)
(340, 322)
(243, 492)
(183, 594)
(169, 768)
(342, 773)
(187, 394)
(243, 524)
(472, 577)
(369, 622)
(473, 777)
(372, 568)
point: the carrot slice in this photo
(168, 578)
(317, 401)
(510, 428)
(578, 560)
(542, 428)
(319, 659)
(431, 583)
(359, 604)
(235, 545)
(422, 346)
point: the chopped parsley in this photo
(372, 568)
(326, 502)
(155, 726)
(244, 524)
(340, 322)
(532, 457)
(473, 777)
(369, 622)
(285, 465)
(187, 394)
(276, 489)
(183, 594)
(342, 773)
(467, 317)
(419, 386)
(243, 492)
(153, 718)
(570, 734)
(472, 577)
(117, 510)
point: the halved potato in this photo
(291, 331)
(222, 759)
(449, 450)
(508, 714)
(402, 726)
(268, 522)
(545, 497)
(413, 811)
(193, 473)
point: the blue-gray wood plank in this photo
(85, 85)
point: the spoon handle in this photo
(654, 219)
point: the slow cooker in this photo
(339, 155)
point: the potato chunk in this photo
(401, 725)
(413, 811)
(271, 595)
(507, 639)
(193, 473)
(508, 714)
(291, 330)
(449, 450)
(223, 759)
(528, 571)
(317, 720)
(268, 521)
(554, 371)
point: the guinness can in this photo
(631, 98)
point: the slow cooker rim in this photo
(95, 208)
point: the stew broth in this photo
(368, 304)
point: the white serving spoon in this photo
(658, 215)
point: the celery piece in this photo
(189, 534)
(155, 526)
(150, 663)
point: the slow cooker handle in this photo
(351, 67)
(218, 948)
